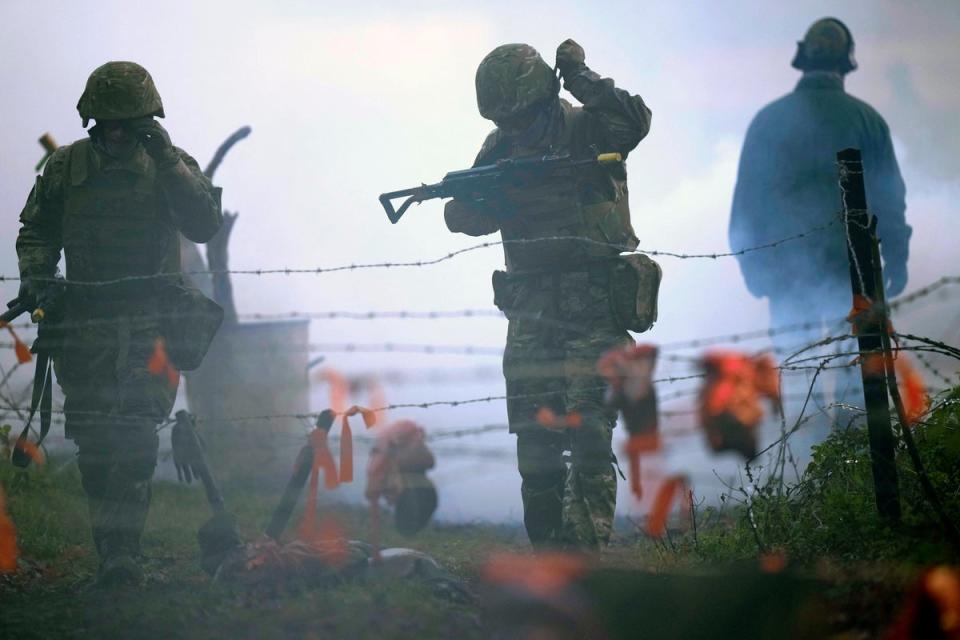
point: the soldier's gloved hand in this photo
(570, 58)
(187, 445)
(895, 279)
(156, 141)
(27, 295)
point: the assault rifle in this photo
(481, 182)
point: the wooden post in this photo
(866, 280)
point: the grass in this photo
(824, 528)
(52, 597)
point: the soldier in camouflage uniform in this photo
(556, 294)
(114, 203)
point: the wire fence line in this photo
(729, 338)
(449, 256)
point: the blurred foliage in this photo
(830, 514)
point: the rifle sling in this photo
(43, 399)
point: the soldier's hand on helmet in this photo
(570, 57)
(155, 140)
(895, 279)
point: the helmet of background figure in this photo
(828, 46)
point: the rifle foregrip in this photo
(13, 312)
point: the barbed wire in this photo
(732, 338)
(924, 291)
(926, 364)
(432, 261)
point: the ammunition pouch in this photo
(506, 292)
(188, 322)
(634, 289)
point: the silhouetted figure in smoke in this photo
(787, 184)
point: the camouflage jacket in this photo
(113, 219)
(595, 207)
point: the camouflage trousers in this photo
(113, 404)
(550, 370)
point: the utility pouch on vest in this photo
(505, 292)
(188, 322)
(634, 288)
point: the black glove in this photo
(156, 141)
(895, 279)
(27, 296)
(45, 293)
(570, 58)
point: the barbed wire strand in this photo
(428, 262)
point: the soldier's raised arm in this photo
(621, 120)
(41, 237)
(194, 201)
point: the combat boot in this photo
(119, 560)
(542, 509)
(119, 570)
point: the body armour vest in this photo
(116, 225)
(593, 206)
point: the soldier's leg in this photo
(590, 498)
(144, 400)
(543, 474)
(530, 368)
(113, 404)
(116, 461)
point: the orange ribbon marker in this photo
(346, 439)
(19, 347)
(159, 364)
(548, 419)
(8, 539)
(912, 390)
(864, 313)
(666, 495)
(543, 575)
(730, 408)
(629, 373)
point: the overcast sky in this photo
(351, 100)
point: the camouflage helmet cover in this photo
(511, 79)
(119, 91)
(827, 46)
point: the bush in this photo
(831, 512)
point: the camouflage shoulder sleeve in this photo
(619, 120)
(194, 201)
(491, 149)
(41, 221)
(467, 217)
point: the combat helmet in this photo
(118, 91)
(511, 79)
(827, 46)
